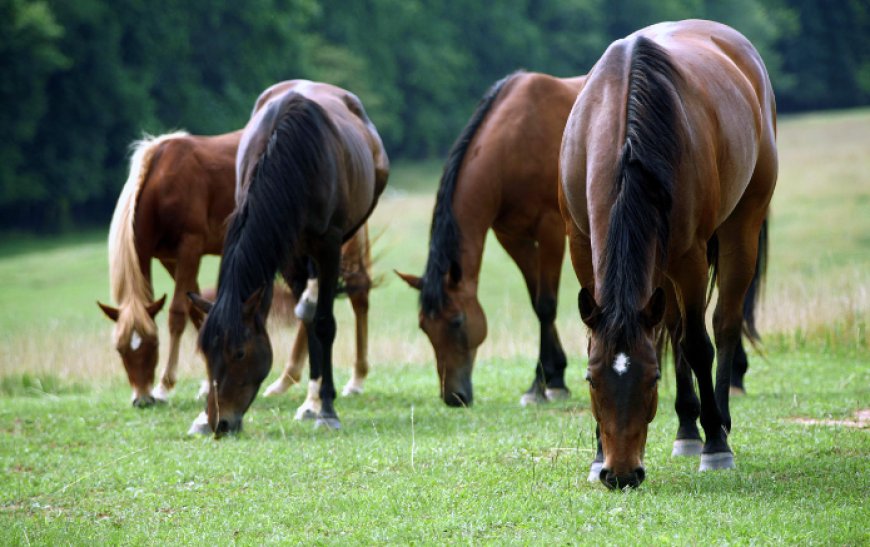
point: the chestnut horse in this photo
(670, 147)
(309, 170)
(173, 207)
(502, 174)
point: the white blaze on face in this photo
(620, 364)
(135, 341)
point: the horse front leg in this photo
(359, 300)
(321, 335)
(688, 441)
(292, 373)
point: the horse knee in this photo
(177, 320)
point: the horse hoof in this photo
(161, 394)
(532, 398)
(305, 414)
(557, 394)
(687, 447)
(277, 388)
(595, 471)
(735, 391)
(200, 425)
(717, 460)
(327, 422)
(353, 387)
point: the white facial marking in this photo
(135, 341)
(620, 365)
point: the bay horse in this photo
(309, 170)
(669, 151)
(501, 173)
(173, 207)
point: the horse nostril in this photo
(144, 401)
(631, 480)
(223, 426)
(641, 475)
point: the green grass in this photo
(79, 465)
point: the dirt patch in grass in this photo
(861, 420)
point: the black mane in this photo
(643, 190)
(444, 234)
(264, 230)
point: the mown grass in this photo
(81, 466)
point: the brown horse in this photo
(309, 171)
(173, 207)
(669, 151)
(502, 174)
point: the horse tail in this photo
(129, 288)
(642, 189)
(755, 287)
(444, 233)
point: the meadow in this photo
(80, 465)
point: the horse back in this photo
(188, 192)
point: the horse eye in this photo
(457, 321)
(589, 380)
(239, 355)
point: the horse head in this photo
(623, 376)
(137, 344)
(456, 328)
(238, 357)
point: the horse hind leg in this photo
(321, 334)
(292, 373)
(359, 300)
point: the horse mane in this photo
(444, 233)
(643, 190)
(265, 229)
(130, 290)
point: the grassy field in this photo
(79, 465)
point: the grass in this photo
(79, 465)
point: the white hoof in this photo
(716, 461)
(200, 425)
(532, 398)
(160, 393)
(558, 394)
(203, 391)
(303, 414)
(595, 472)
(687, 447)
(279, 386)
(353, 387)
(332, 423)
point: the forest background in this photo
(80, 80)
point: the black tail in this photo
(444, 234)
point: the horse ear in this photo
(111, 313)
(412, 280)
(252, 304)
(655, 309)
(590, 313)
(155, 307)
(199, 302)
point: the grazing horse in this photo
(502, 174)
(173, 207)
(309, 170)
(669, 149)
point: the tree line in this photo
(80, 80)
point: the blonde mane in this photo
(130, 291)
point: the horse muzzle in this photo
(630, 480)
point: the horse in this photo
(667, 167)
(309, 171)
(501, 173)
(173, 207)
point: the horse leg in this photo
(292, 373)
(698, 351)
(321, 335)
(184, 271)
(738, 246)
(551, 251)
(359, 300)
(688, 440)
(526, 254)
(598, 462)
